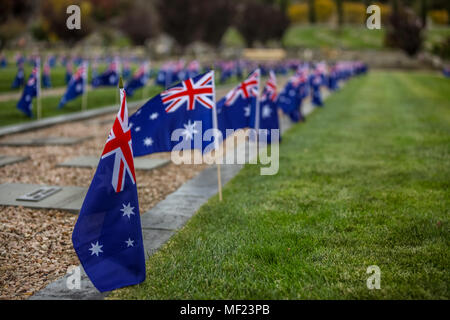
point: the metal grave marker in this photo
(39, 194)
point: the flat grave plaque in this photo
(5, 160)
(39, 194)
(92, 162)
(42, 141)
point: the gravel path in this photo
(35, 245)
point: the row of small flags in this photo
(107, 236)
(169, 73)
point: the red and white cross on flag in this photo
(201, 91)
(271, 87)
(248, 87)
(119, 145)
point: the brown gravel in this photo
(35, 244)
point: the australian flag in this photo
(187, 106)
(316, 83)
(46, 81)
(20, 77)
(108, 78)
(237, 108)
(30, 91)
(3, 61)
(268, 117)
(290, 98)
(69, 71)
(107, 236)
(138, 81)
(76, 85)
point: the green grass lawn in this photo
(100, 97)
(365, 181)
(349, 37)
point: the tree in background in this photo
(195, 20)
(340, 12)
(257, 21)
(104, 10)
(14, 15)
(311, 11)
(140, 21)
(423, 12)
(404, 31)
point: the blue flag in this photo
(187, 106)
(30, 91)
(107, 236)
(3, 61)
(292, 95)
(76, 85)
(138, 81)
(108, 78)
(19, 78)
(269, 113)
(316, 82)
(236, 109)
(46, 81)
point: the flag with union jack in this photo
(107, 236)
(268, 115)
(77, 85)
(237, 109)
(187, 106)
(31, 90)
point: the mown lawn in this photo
(365, 181)
(349, 37)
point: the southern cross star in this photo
(127, 210)
(189, 130)
(96, 249)
(148, 141)
(266, 111)
(154, 115)
(129, 243)
(246, 111)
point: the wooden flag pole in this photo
(85, 91)
(215, 126)
(145, 88)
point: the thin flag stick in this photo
(38, 88)
(85, 89)
(215, 126)
(145, 89)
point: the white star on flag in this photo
(137, 129)
(96, 249)
(154, 115)
(246, 111)
(189, 130)
(266, 111)
(148, 141)
(129, 242)
(127, 210)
